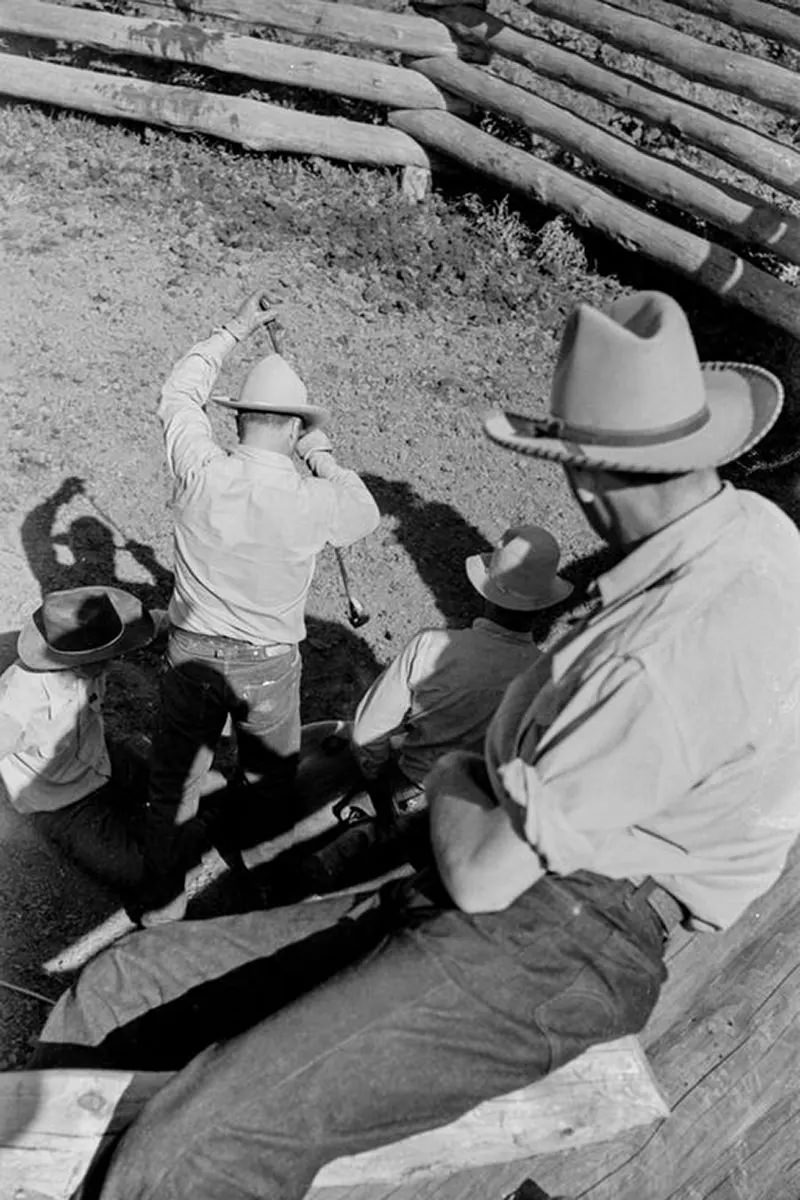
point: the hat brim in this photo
(477, 568)
(139, 629)
(744, 402)
(311, 414)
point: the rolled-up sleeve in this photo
(350, 511)
(188, 438)
(613, 757)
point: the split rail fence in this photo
(447, 80)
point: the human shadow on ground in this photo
(437, 539)
(91, 542)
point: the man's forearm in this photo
(483, 861)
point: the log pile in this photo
(433, 94)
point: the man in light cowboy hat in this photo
(54, 761)
(442, 689)
(248, 527)
(643, 771)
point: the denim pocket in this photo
(577, 1016)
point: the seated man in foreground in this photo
(644, 771)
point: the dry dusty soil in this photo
(123, 245)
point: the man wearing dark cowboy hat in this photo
(248, 527)
(54, 760)
(643, 772)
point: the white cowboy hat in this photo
(630, 394)
(272, 386)
(520, 573)
(83, 625)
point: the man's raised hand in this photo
(253, 313)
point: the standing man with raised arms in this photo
(248, 527)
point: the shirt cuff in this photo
(233, 331)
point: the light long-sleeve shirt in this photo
(52, 741)
(662, 737)
(438, 694)
(248, 527)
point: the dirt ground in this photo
(122, 246)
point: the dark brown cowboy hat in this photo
(83, 625)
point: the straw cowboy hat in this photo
(520, 573)
(272, 386)
(83, 625)
(630, 394)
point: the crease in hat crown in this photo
(272, 385)
(521, 573)
(83, 625)
(642, 354)
(629, 393)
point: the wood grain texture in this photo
(250, 123)
(271, 62)
(404, 33)
(772, 162)
(762, 81)
(766, 20)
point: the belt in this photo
(663, 904)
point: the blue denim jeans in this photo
(430, 1011)
(205, 680)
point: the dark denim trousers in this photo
(102, 833)
(205, 680)
(430, 1012)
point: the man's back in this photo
(439, 694)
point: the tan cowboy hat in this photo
(630, 394)
(520, 573)
(83, 625)
(272, 386)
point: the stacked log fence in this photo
(435, 72)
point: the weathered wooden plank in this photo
(271, 62)
(767, 20)
(745, 217)
(713, 266)
(764, 82)
(404, 33)
(250, 123)
(52, 1122)
(773, 162)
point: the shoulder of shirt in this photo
(19, 685)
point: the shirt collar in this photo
(511, 635)
(670, 548)
(259, 455)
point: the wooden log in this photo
(748, 151)
(404, 33)
(52, 1122)
(340, 74)
(767, 20)
(720, 270)
(730, 70)
(745, 217)
(249, 123)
